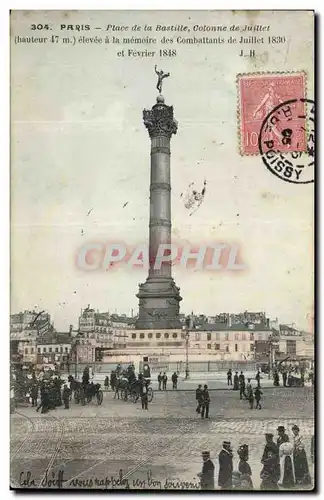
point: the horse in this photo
(122, 386)
(75, 387)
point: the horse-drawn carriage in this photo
(133, 389)
(85, 391)
(295, 381)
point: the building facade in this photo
(22, 323)
(54, 349)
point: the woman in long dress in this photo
(244, 468)
(270, 472)
(300, 459)
(287, 469)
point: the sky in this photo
(78, 144)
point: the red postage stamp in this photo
(259, 94)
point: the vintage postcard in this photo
(162, 260)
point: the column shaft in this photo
(160, 203)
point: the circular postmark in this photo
(287, 141)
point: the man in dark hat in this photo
(242, 385)
(269, 446)
(236, 382)
(225, 459)
(205, 402)
(199, 397)
(271, 468)
(276, 378)
(257, 395)
(143, 392)
(284, 377)
(249, 393)
(160, 380)
(164, 381)
(282, 436)
(66, 397)
(207, 474)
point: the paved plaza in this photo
(119, 445)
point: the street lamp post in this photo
(76, 361)
(270, 355)
(187, 355)
(270, 358)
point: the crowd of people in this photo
(51, 394)
(284, 465)
(246, 390)
(48, 390)
(291, 375)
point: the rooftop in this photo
(58, 338)
(237, 327)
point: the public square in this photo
(94, 446)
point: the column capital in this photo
(159, 120)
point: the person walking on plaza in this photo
(243, 466)
(236, 382)
(302, 475)
(174, 379)
(258, 377)
(242, 385)
(276, 379)
(207, 481)
(249, 393)
(44, 402)
(257, 395)
(106, 383)
(34, 394)
(57, 388)
(116, 388)
(164, 381)
(229, 377)
(284, 377)
(225, 459)
(199, 398)
(205, 399)
(143, 392)
(66, 397)
(160, 380)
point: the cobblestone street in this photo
(92, 443)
